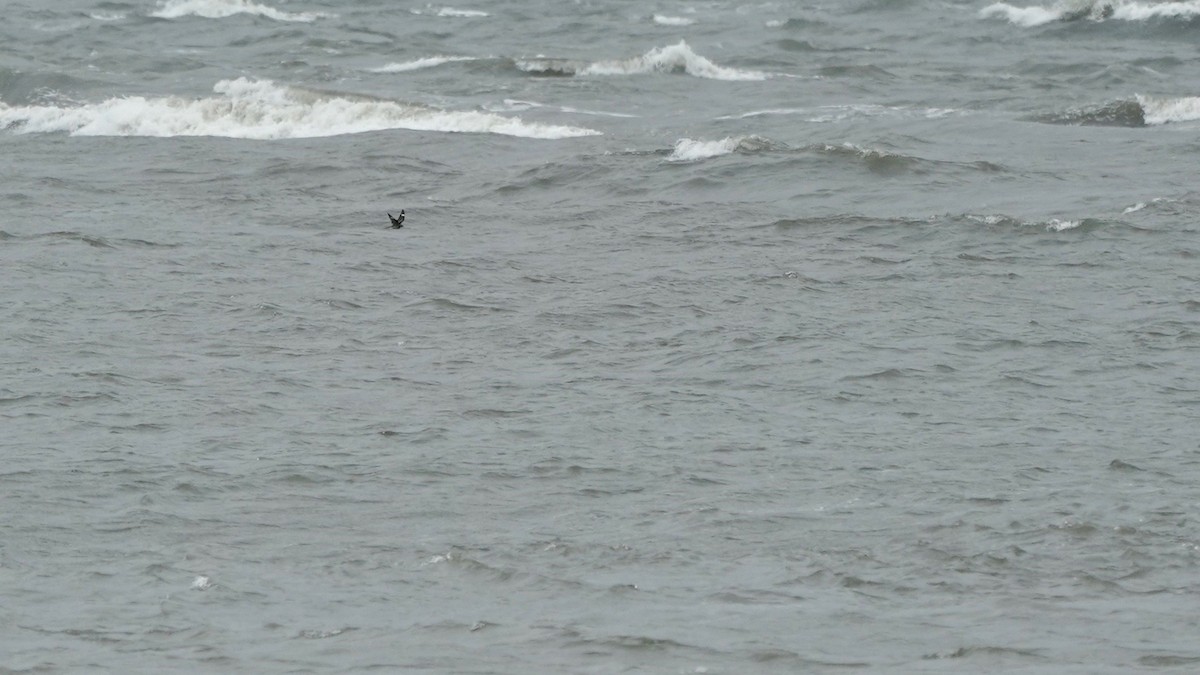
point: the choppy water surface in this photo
(777, 337)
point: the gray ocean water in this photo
(777, 337)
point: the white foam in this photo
(461, 13)
(1143, 205)
(219, 9)
(427, 62)
(1056, 225)
(262, 109)
(1022, 16)
(1138, 11)
(597, 113)
(666, 59)
(764, 113)
(1052, 225)
(1163, 110)
(691, 150)
(1095, 10)
(514, 105)
(511, 105)
(839, 113)
(201, 583)
(673, 20)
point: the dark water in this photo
(780, 337)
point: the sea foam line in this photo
(219, 9)
(262, 109)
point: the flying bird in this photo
(397, 223)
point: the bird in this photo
(397, 223)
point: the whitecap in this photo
(673, 20)
(1163, 110)
(1138, 11)
(1095, 10)
(1056, 225)
(264, 110)
(597, 113)
(201, 583)
(512, 105)
(691, 150)
(671, 58)
(418, 64)
(219, 9)
(1052, 225)
(461, 13)
(1022, 16)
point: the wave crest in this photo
(663, 20)
(1164, 110)
(1139, 111)
(1093, 10)
(689, 150)
(418, 64)
(219, 9)
(264, 110)
(671, 59)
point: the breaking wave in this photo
(689, 150)
(873, 159)
(1139, 111)
(418, 64)
(262, 109)
(1092, 10)
(677, 58)
(1163, 110)
(1049, 225)
(673, 20)
(219, 9)
(461, 13)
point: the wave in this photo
(1093, 10)
(1139, 111)
(514, 105)
(264, 110)
(671, 59)
(219, 9)
(1049, 225)
(418, 64)
(882, 161)
(673, 20)
(873, 159)
(840, 113)
(1164, 110)
(689, 150)
(451, 12)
